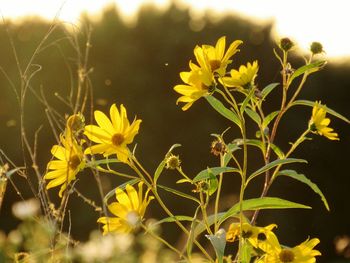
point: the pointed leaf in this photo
(176, 192)
(272, 165)
(171, 219)
(231, 147)
(302, 178)
(247, 100)
(220, 108)
(253, 115)
(269, 118)
(219, 242)
(205, 174)
(330, 111)
(277, 151)
(309, 68)
(268, 89)
(259, 204)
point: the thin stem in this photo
(164, 242)
(218, 192)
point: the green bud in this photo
(286, 44)
(316, 48)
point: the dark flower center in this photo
(118, 139)
(262, 237)
(247, 234)
(74, 162)
(214, 64)
(286, 255)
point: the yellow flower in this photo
(319, 123)
(258, 237)
(70, 161)
(129, 210)
(303, 253)
(112, 136)
(215, 58)
(199, 83)
(243, 78)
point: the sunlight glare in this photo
(304, 22)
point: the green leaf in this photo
(171, 219)
(256, 143)
(219, 242)
(213, 184)
(309, 68)
(122, 186)
(247, 251)
(277, 151)
(176, 192)
(159, 170)
(247, 100)
(231, 147)
(302, 178)
(95, 163)
(220, 108)
(268, 89)
(259, 204)
(253, 115)
(269, 118)
(191, 236)
(330, 111)
(272, 165)
(205, 174)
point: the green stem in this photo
(164, 242)
(217, 199)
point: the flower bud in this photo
(286, 44)
(172, 162)
(316, 48)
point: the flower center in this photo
(262, 237)
(118, 139)
(286, 255)
(214, 64)
(74, 162)
(247, 234)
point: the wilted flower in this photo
(112, 135)
(129, 210)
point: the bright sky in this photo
(304, 21)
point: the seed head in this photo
(172, 162)
(316, 48)
(286, 44)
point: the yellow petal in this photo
(123, 198)
(118, 209)
(96, 134)
(55, 164)
(103, 121)
(115, 117)
(55, 174)
(59, 152)
(97, 149)
(133, 197)
(220, 47)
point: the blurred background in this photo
(136, 60)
